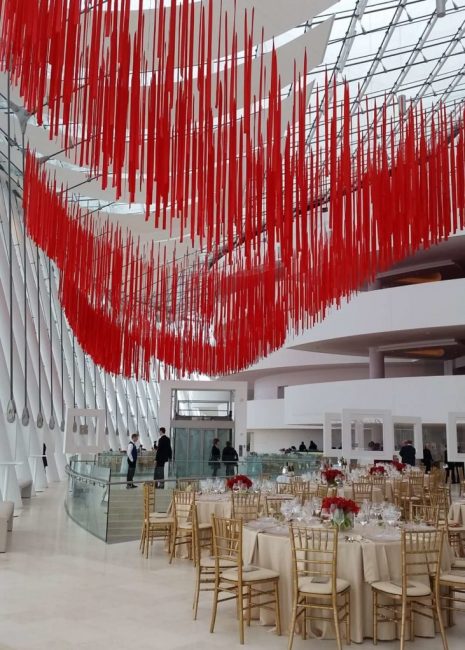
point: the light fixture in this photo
(440, 8)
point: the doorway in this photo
(192, 447)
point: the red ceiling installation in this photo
(352, 204)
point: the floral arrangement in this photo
(398, 466)
(242, 481)
(332, 475)
(342, 511)
(340, 503)
(377, 470)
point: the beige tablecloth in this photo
(207, 505)
(457, 513)
(361, 563)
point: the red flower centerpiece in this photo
(332, 475)
(243, 482)
(342, 511)
(377, 470)
(398, 466)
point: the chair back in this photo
(273, 505)
(227, 541)
(322, 491)
(188, 484)
(416, 485)
(300, 486)
(149, 498)
(196, 550)
(245, 506)
(183, 503)
(284, 488)
(362, 491)
(424, 513)
(314, 554)
(421, 554)
(379, 482)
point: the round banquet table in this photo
(212, 504)
(359, 562)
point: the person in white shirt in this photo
(132, 460)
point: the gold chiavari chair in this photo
(362, 491)
(273, 505)
(188, 484)
(416, 482)
(245, 506)
(249, 586)
(283, 488)
(423, 513)
(299, 487)
(402, 496)
(155, 524)
(421, 560)
(379, 482)
(183, 504)
(322, 491)
(461, 479)
(318, 594)
(453, 600)
(204, 565)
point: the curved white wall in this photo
(429, 398)
(432, 307)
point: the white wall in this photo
(271, 441)
(430, 398)
(436, 305)
(267, 387)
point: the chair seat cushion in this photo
(308, 586)
(209, 563)
(458, 579)
(458, 563)
(414, 588)
(161, 521)
(189, 526)
(256, 574)
(159, 515)
(456, 528)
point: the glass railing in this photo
(254, 465)
(97, 498)
(86, 499)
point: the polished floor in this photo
(62, 589)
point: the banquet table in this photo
(360, 562)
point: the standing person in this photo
(44, 455)
(408, 453)
(164, 454)
(215, 456)
(229, 458)
(132, 460)
(427, 459)
(302, 446)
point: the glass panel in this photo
(434, 435)
(336, 435)
(402, 432)
(367, 434)
(181, 451)
(87, 499)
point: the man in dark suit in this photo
(408, 453)
(164, 454)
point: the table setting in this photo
(369, 550)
